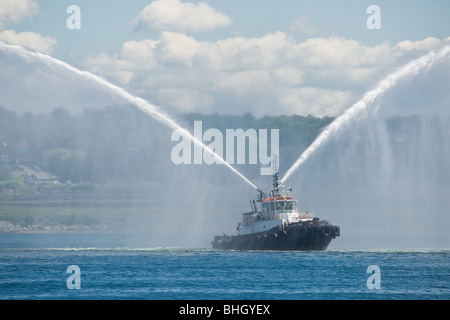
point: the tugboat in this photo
(278, 225)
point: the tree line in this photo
(122, 142)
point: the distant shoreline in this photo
(10, 228)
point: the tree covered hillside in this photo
(118, 142)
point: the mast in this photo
(275, 173)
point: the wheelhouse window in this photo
(289, 205)
(279, 205)
(247, 220)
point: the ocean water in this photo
(115, 266)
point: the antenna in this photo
(275, 172)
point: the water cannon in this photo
(261, 195)
(276, 180)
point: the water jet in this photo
(142, 104)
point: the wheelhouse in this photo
(279, 204)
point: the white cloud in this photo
(173, 15)
(177, 48)
(239, 53)
(13, 11)
(31, 40)
(287, 76)
(338, 52)
(425, 44)
(118, 70)
(140, 53)
(244, 83)
(271, 74)
(314, 100)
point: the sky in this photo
(230, 57)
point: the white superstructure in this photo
(278, 209)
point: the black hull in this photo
(296, 236)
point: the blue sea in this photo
(118, 266)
